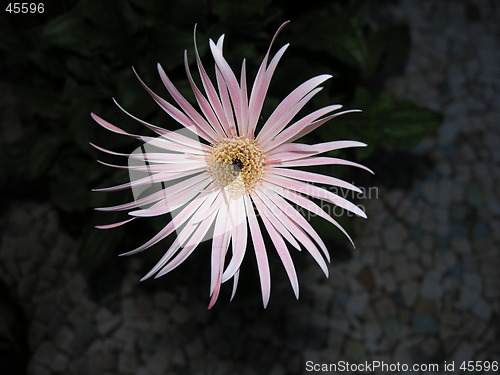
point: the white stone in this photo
(410, 291)
(429, 191)
(159, 362)
(371, 334)
(46, 353)
(461, 245)
(194, 348)
(412, 252)
(394, 237)
(468, 297)
(482, 309)
(464, 352)
(430, 287)
(104, 327)
(357, 303)
(340, 323)
(65, 338)
(127, 363)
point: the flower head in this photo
(222, 174)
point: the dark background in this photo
(421, 286)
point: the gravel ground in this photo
(423, 285)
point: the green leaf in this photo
(361, 11)
(402, 124)
(67, 31)
(387, 51)
(408, 124)
(335, 31)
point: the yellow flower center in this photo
(236, 164)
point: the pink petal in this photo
(212, 96)
(204, 104)
(312, 207)
(270, 215)
(261, 83)
(176, 222)
(309, 162)
(315, 192)
(291, 100)
(177, 114)
(292, 147)
(157, 195)
(260, 252)
(161, 168)
(286, 156)
(215, 294)
(151, 179)
(314, 125)
(218, 246)
(108, 151)
(260, 87)
(230, 80)
(111, 127)
(226, 103)
(173, 201)
(185, 105)
(287, 115)
(197, 235)
(239, 240)
(283, 253)
(297, 127)
(297, 225)
(318, 148)
(168, 138)
(192, 230)
(313, 177)
(243, 125)
(114, 225)
(235, 284)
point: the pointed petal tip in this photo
(95, 117)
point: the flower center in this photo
(236, 164)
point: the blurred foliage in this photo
(74, 58)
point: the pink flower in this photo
(218, 186)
